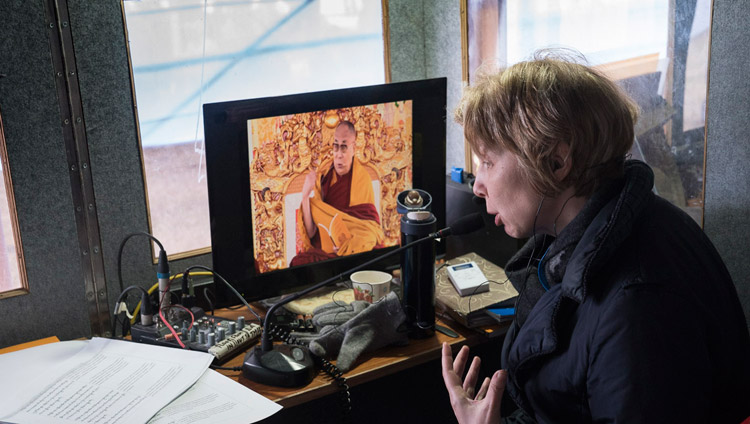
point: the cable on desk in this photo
(122, 247)
(186, 274)
(120, 307)
(216, 367)
(156, 286)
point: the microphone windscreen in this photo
(467, 224)
(479, 201)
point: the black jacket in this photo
(641, 321)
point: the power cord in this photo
(122, 247)
(186, 274)
(153, 288)
(146, 314)
(216, 367)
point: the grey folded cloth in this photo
(375, 326)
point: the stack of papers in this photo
(117, 381)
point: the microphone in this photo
(162, 276)
(465, 225)
(292, 366)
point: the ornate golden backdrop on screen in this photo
(285, 148)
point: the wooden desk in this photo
(369, 366)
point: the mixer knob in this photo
(240, 323)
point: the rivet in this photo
(59, 74)
(78, 119)
(102, 293)
(72, 73)
(85, 165)
(73, 167)
(85, 252)
(51, 25)
(90, 295)
(78, 208)
(91, 206)
(65, 24)
(67, 121)
(96, 250)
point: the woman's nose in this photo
(479, 189)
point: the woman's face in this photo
(509, 196)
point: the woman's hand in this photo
(470, 408)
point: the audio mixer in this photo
(220, 337)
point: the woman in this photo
(626, 312)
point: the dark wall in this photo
(37, 160)
(425, 42)
(727, 221)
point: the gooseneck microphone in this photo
(465, 225)
(292, 366)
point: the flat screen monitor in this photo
(259, 153)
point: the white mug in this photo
(370, 286)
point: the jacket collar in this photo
(608, 229)
(584, 245)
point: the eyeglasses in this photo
(342, 147)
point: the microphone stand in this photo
(285, 366)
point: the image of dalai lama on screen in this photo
(324, 183)
(338, 204)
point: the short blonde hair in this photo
(532, 106)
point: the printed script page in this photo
(108, 381)
(216, 399)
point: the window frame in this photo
(23, 288)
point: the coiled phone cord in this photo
(330, 369)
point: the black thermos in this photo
(418, 273)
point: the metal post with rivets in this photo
(77, 154)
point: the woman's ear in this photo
(561, 163)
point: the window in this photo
(12, 272)
(656, 49)
(185, 53)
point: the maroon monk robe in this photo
(336, 195)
